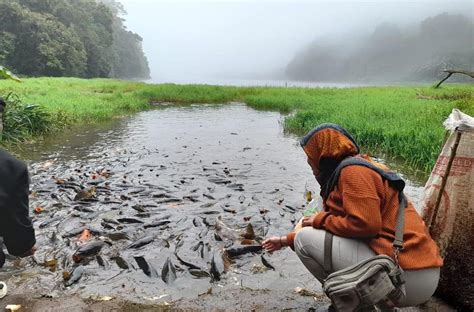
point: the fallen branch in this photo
(451, 72)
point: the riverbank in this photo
(402, 122)
(240, 299)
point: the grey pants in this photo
(309, 246)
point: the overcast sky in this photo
(195, 40)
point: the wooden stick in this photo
(444, 180)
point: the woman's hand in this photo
(308, 221)
(274, 243)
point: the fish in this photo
(75, 276)
(241, 250)
(83, 209)
(139, 208)
(160, 195)
(100, 261)
(197, 222)
(110, 221)
(156, 223)
(143, 215)
(192, 198)
(230, 210)
(217, 266)
(266, 263)
(249, 233)
(169, 201)
(88, 250)
(168, 273)
(121, 262)
(204, 253)
(75, 232)
(146, 268)
(85, 194)
(187, 263)
(219, 181)
(129, 220)
(142, 242)
(49, 221)
(199, 273)
(196, 247)
(209, 196)
(115, 236)
(208, 205)
(206, 222)
(224, 231)
(203, 232)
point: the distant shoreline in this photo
(404, 122)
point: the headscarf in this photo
(326, 146)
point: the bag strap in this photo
(327, 265)
(399, 227)
(394, 180)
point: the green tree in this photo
(84, 38)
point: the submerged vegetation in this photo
(405, 122)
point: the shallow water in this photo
(206, 158)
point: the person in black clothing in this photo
(2, 110)
(16, 227)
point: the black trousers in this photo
(2, 257)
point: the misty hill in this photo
(391, 53)
(81, 38)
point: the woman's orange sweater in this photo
(364, 206)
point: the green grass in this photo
(405, 122)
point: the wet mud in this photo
(169, 205)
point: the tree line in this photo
(391, 53)
(74, 38)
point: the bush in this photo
(21, 121)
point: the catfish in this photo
(88, 250)
(217, 266)
(142, 242)
(149, 270)
(235, 251)
(168, 273)
(75, 276)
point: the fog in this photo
(212, 41)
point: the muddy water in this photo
(189, 165)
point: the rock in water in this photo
(217, 266)
(146, 268)
(168, 273)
